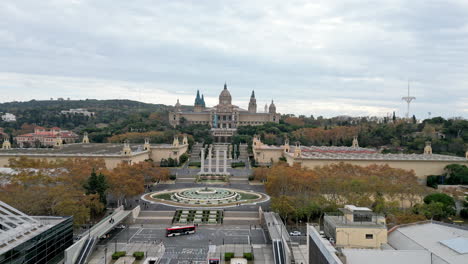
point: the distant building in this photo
(78, 111)
(46, 137)
(8, 117)
(113, 154)
(223, 118)
(33, 239)
(356, 227)
(310, 157)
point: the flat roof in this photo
(431, 236)
(353, 208)
(359, 256)
(350, 153)
(18, 227)
(73, 150)
(342, 221)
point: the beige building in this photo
(312, 156)
(112, 154)
(357, 227)
(224, 118)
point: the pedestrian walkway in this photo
(153, 250)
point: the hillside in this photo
(111, 116)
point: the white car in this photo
(295, 233)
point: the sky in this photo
(318, 57)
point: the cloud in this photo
(313, 57)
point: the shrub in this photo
(183, 158)
(118, 254)
(228, 256)
(464, 213)
(195, 164)
(238, 164)
(138, 255)
(443, 198)
(432, 181)
(248, 256)
(172, 177)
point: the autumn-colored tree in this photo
(325, 188)
(125, 182)
(320, 136)
(295, 121)
(139, 137)
(42, 187)
(260, 173)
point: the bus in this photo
(180, 230)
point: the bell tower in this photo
(147, 145)
(355, 142)
(287, 148)
(85, 138)
(58, 142)
(428, 148)
(253, 103)
(126, 150)
(6, 144)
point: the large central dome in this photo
(225, 96)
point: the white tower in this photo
(408, 100)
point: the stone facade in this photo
(112, 154)
(312, 156)
(223, 118)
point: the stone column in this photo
(209, 160)
(202, 161)
(217, 161)
(225, 162)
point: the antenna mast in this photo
(408, 100)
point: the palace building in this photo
(224, 118)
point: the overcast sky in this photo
(311, 57)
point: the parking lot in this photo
(187, 248)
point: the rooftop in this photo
(446, 242)
(17, 227)
(337, 220)
(91, 149)
(358, 256)
(353, 153)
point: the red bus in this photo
(180, 230)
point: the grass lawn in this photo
(163, 196)
(248, 196)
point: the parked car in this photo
(295, 233)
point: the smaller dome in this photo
(177, 105)
(272, 108)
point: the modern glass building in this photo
(33, 240)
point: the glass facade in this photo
(45, 248)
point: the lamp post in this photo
(105, 255)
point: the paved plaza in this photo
(182, 249)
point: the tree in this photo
(439, 201)
(443, 198)
(42, 187)
(433, 210)
(97, 184)
(125, 182)
(183, 158)
(283, 206)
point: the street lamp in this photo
(105, 255)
